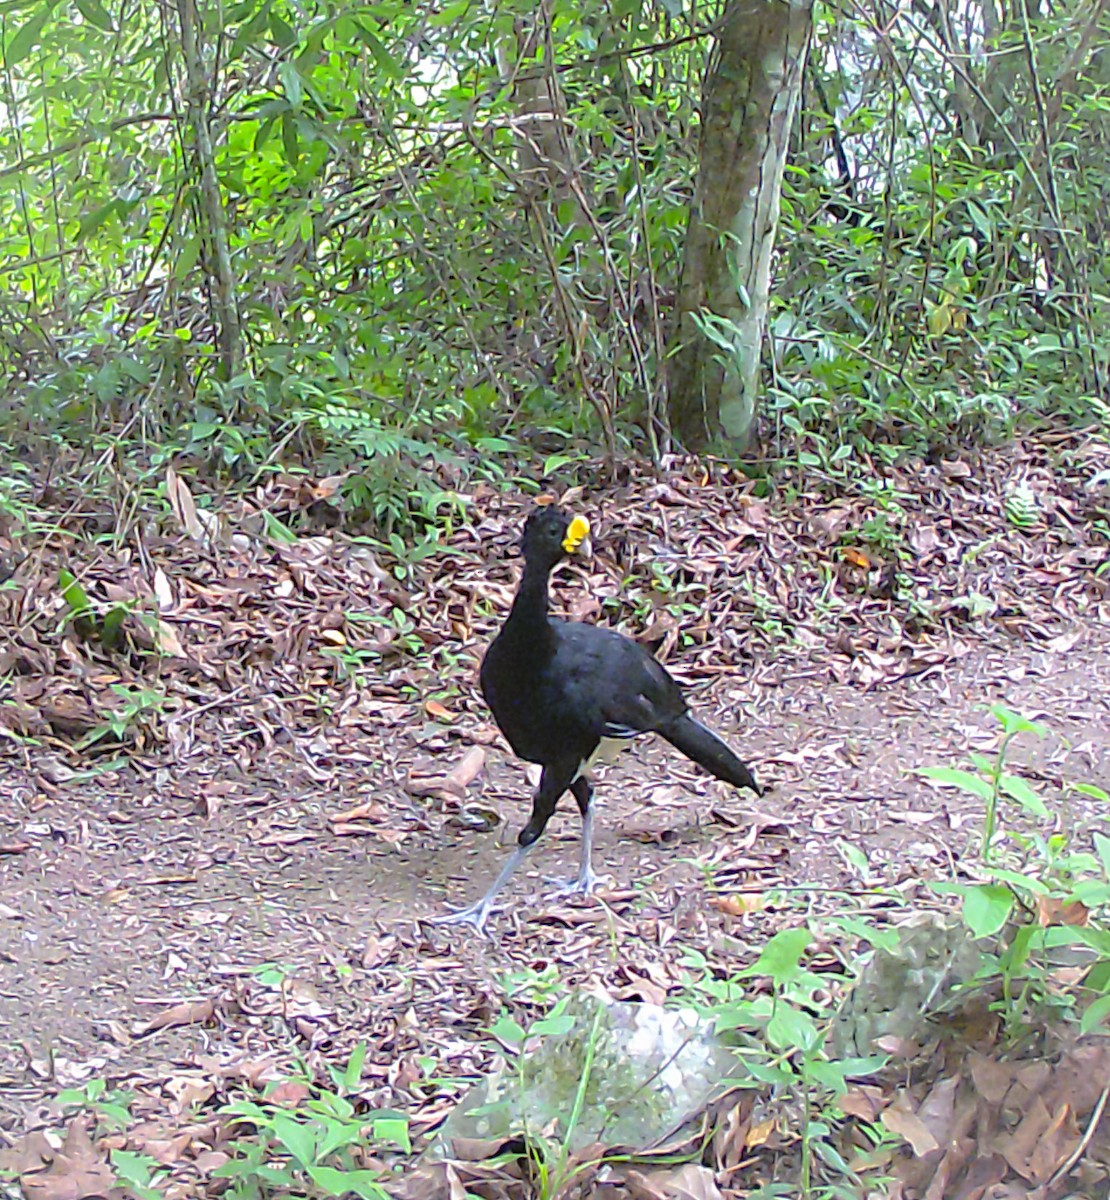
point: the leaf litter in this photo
(258, 762)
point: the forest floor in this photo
(236, 877)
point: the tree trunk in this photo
(750, 94)
(543, 149)
(229, 334)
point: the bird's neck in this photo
(529, 612)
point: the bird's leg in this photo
(475, 915)
(553, 783)
(585, 881)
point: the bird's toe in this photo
(475, 915)
(581, 885)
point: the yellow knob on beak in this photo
(577, 540)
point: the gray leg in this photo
(585, 882)
(553, 783)
(476, 914)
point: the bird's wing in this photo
(612, 683)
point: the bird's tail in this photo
(709, 751)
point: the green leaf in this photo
(394, 1130)
(1102, 849)
(854, 857)
(334, 1182)
(505, 1029)
(782, 955)
(789, 1027)
(111, 628)
(1019, 789)
(1089, 789)
(96, 14)
(1095, 1015)
(976, 785)
(555, 462)
(1017, 880)
(73, 593)
(352, 1072)
(1013, 722)
(1089, 935)
(1017, 953)
(296, 1136)
(26, 37)
(134, 1168)
(291, 83)
(987, 908)
(980, 220)
(777, 1076)
(335, 1135)
(381, 56)
(553, 1026)
(282, 32)
(290, 140)
(450, 13)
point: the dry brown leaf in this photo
(900, 1119)
(938, 1109)
(691, 1181)
(467, 769)
(434, 709)
(1041, 1142)
(992, 1079)
(188, 1012)
(167, 640)
(862, 1101)
(983, 1175)
(1053, 911)
(31, 1153)
(75, 1172)
(188, 1091)
(368, 810)
(183, 506)
(739, 904)
(289, 1093)
(759, 1132)
(731, 1135)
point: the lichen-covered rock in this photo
(646, 1069)
(898, 988)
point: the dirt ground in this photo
(127, 900)
(248, 883)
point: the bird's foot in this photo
(474, 915)
(585, 883)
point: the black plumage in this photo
(564, 693)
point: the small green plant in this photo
(141, 1174)
(272, 975)
(780, 1039)
(550, 1157)
(1042, 897)
(990, 781)
(109, 1107)
(138, 703)
(1021, 508)
(316, 1149)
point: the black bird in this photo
(565, 694)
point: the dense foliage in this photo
(408, 241)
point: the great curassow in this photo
(565, 694)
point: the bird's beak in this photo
(577, 540)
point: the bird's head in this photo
(550, 533)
